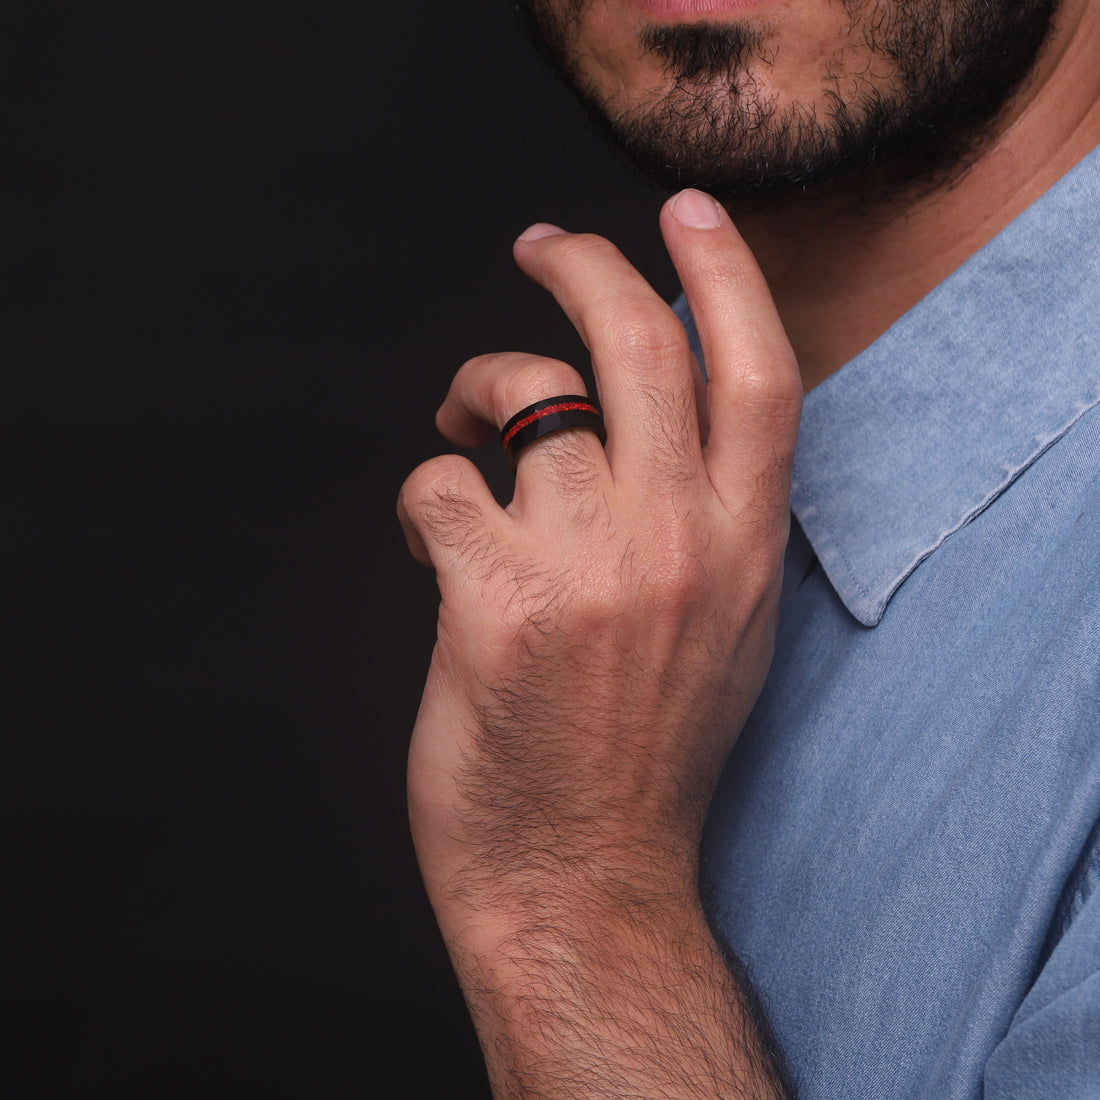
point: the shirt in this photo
(904, 847)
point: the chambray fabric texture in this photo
(904, 847)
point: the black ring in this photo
(555, 414)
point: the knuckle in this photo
(473, 373)
(769, 392)
(532, 381)
(578, 250)
(435, 495)
(679, 571)
(477, 363)
(772, 397)
(644, 335)
(449, 471)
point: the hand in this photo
(602, 639)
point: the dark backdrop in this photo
(243, 252)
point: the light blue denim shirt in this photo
(904, 847)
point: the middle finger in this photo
(640, 353)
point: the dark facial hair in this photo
(954, 78)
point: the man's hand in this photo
(601, 642)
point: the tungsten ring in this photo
(555, 414)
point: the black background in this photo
(243, 252)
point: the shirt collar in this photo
(914, 437)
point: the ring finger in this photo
(489, 390)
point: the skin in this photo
(602, 639)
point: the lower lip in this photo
(678, 9)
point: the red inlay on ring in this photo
(563, 406)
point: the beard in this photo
(956, 66)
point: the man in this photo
(902, 849)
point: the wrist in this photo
(553, 922)
(565, 891)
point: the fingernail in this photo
(694, 209)
(540, 230)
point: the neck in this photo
(841, 275)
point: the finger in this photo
(489, 390)
(446, 512)
(639, 349)
(754, 389)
